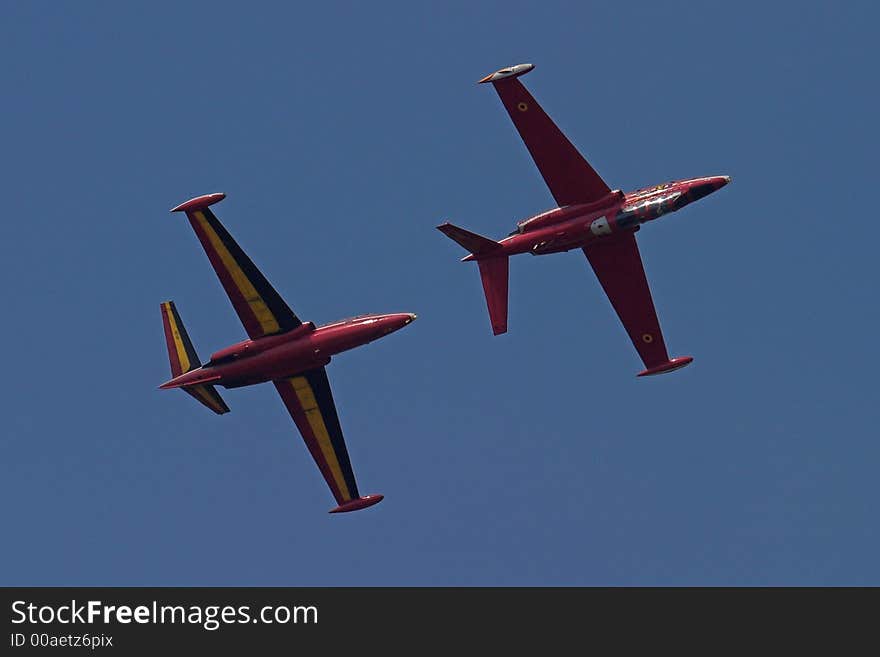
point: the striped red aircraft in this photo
(281, 348)
(591, 216)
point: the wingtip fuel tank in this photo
(509, 72)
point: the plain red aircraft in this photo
(282, 349)
(591, 216)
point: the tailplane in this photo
(494, 271)
(183, 359)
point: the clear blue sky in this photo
(343, 133)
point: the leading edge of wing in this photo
(569, 176)
(309, 401)
(258, 305)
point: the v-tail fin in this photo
(494, 270)
(208, 396)
(494, 273)
(476, 244)
(183, 359)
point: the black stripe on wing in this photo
(324, 398)
(285, 317)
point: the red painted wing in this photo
(618, 267)
(310, 402)
(568, 175)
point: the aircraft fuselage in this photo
(575, 226)
(280, 356)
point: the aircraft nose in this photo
(704, 187)
(714, 183)
(396, 321)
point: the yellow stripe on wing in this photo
(248, 291)
(182, 357)
(316, 421)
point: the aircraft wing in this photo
(568, 175)
(310, 402)
(618, 266)
(260, 308)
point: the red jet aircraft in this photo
(591, 216)
(281, 349)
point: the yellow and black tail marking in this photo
(208, 395)
(183, 358)
(180, 349)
